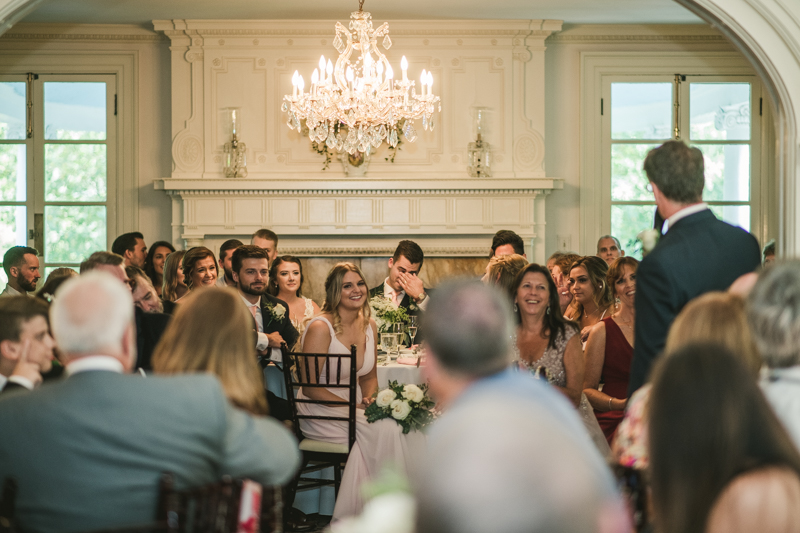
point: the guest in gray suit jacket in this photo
(87, 451)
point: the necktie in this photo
(255, 319)
(396, 299)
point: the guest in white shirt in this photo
(21, 264)
(26, 347)
(225, 258)
(774, 313)
(403, 287)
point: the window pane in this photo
(628, 180)
(12, 172)
(627, 221)
(738, 215)
(12, 110)
(727, 172)
(75, 110)
(719, 111)
(12, 232)
(641, 110)
(75, 172)
(73, 233)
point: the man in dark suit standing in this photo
(696, 254)
(250, 269)
(403, 287)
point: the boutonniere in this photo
(649, 239)
(276, 312)
(413, 307)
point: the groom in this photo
(403, 287)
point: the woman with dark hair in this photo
(560, 273)
(199, 268)
(727, 466)
(587, 281)
(54, 280)
(219, 343)
(285, 282)
(345, 320)
(154, 263)
(173, 287)
(609, 350)
(548, 345)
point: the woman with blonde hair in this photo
(587, 282)
(344, 321)
(173, 286)
(502, 271)
(219, 343)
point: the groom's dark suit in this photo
(406, 303)
(698, 254)
(278, 407)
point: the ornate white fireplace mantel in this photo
(347, 217)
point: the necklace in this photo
(590, 314)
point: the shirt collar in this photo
(94, 362)
(388, 290)
(11, 291)
(257, 304)
(3, 381)
(683, 213)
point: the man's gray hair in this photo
(91, 314)
(619, 246)
(774, 313)
(468, 326)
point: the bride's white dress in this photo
(378, 444)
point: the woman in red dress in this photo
(609, 350)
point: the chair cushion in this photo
(309, 445)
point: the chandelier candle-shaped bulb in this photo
(314, 82)
(379, 70)
(389, 74)
(423, 80)
(430, 82)
(322, 67)
(300, 84)
(294, 83)
(404, 68)
(329, 71)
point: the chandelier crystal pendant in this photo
(361, 93)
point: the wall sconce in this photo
(235, 150)
(478, 161)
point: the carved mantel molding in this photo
(320, 217)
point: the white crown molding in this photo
(81, 32)
(372, 251)
(637, 33)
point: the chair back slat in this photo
(7, 506)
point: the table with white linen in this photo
(402, 374)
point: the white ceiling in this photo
(570, 11)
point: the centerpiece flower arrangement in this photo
(409, 405)
(386, 313)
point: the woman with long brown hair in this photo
(173, 287)
(219, 343)
(285, 283)
(592, 295)
(345, 320)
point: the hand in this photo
(412, 285)
(275, 339)
(585, 333)
(25, 368)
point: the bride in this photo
(345, 320)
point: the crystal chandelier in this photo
(360, 93)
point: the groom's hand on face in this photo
(411, 284)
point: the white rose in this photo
(279, 311)
(385, 397)
(413, 393)
(400, 409)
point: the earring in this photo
(548, 310)
(516, 309)
(616, 302)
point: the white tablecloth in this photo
(403, 374)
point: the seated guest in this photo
(509, 453)
(548, 346)
(735, 438)
(174, 287)
(502, 271)
(21, 264)
(609, 350)
(506, 242)
(266, 239)
(713, 317)
(125, 431)
(149, 326)
(225, 256)
(403, 287)
(154, 263)
(132, 248)
(587, 281)
(198, 342)
(345, 320)
(609, 248)
(54, 280)
(551, 261)
(774, 314)
(768, 253)
(199, 268)
(560, 273)
(26, 347)
(144, 294)
(285, 283)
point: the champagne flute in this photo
(399, 329)
(412, 330)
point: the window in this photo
(634, 101)
(57, 161)
(711, 113)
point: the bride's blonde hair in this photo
(333, 295)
